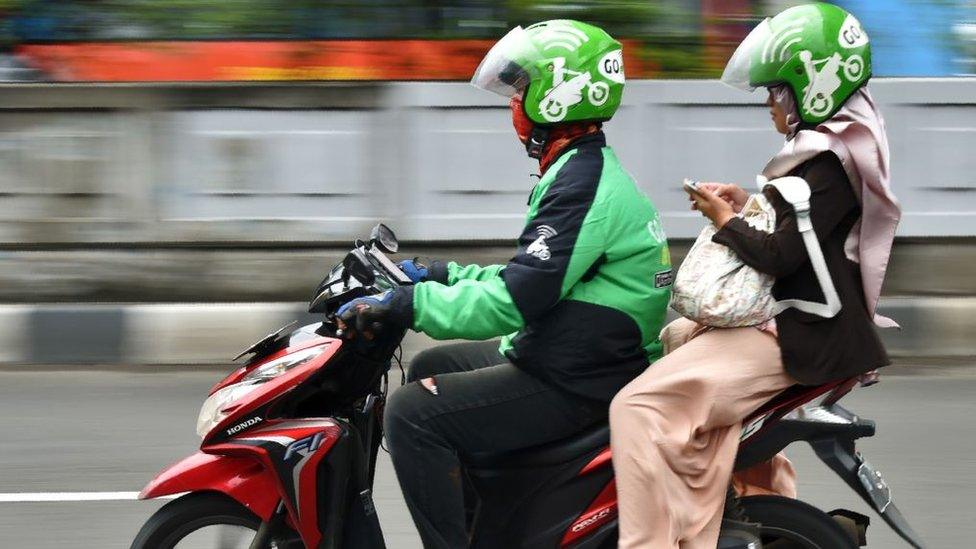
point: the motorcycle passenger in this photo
(675, 429)
(580, 305)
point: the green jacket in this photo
(583, 301)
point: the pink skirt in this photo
(675, 433)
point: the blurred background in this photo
(165, 152)
(177, 175)
(228, 40)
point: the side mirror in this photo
(383, 238)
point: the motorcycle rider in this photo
(580, 304)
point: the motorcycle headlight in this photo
(215, 408)
(275, 368)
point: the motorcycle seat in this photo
(597, 437)
(557, 452)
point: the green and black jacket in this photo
(583, 301)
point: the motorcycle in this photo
(290, 442)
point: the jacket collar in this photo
(596, 139)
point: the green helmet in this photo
(819, 50)
(567, 71)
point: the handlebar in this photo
(365, 270)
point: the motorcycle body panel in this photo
(291, 452)
(544, 505)
(242, 478)
(253, 409)
(595, 523)
(286, 343)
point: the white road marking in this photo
(52, 497)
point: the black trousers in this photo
(467, 398)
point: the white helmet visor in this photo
(738, 70)
(508, 65)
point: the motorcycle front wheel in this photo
(203, 520)
(792, 524)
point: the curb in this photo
(213, 333)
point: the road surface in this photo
(72, 434)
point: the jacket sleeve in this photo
(469, 309)
(548, 262)
(782, 252)
(457, 273)
(451, 273)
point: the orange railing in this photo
(209, 61)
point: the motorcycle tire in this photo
(792, 524)
(181, 517)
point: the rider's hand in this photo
(370, 315)
(733, 194)
(414, 269)
(423, 270)
(713, 206)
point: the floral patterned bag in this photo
(715, 288)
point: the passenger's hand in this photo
(733, 194)
(414, 269)
(712, 206)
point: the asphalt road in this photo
(81, 431)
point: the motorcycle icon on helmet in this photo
(818, 99)
(566, 93)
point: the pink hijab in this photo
(856, 134)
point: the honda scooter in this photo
(290, 442)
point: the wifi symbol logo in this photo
(778, 46)
(562, 36)
(545, 231)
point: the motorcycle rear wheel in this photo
(792, 524)
(185, 517)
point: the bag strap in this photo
(796, 191)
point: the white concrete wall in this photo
(439, 162)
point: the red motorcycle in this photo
(290, 443)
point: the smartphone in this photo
(691, 186)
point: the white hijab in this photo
(856, 134)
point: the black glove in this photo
(369, 315)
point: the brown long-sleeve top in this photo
(815, 350)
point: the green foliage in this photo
(669, 31)
(176, 18)
(619, 18)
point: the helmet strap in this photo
(536, 144)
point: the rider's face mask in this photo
(523, 126)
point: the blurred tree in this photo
(669, 31)
(666, 34)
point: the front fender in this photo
(243, 479)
